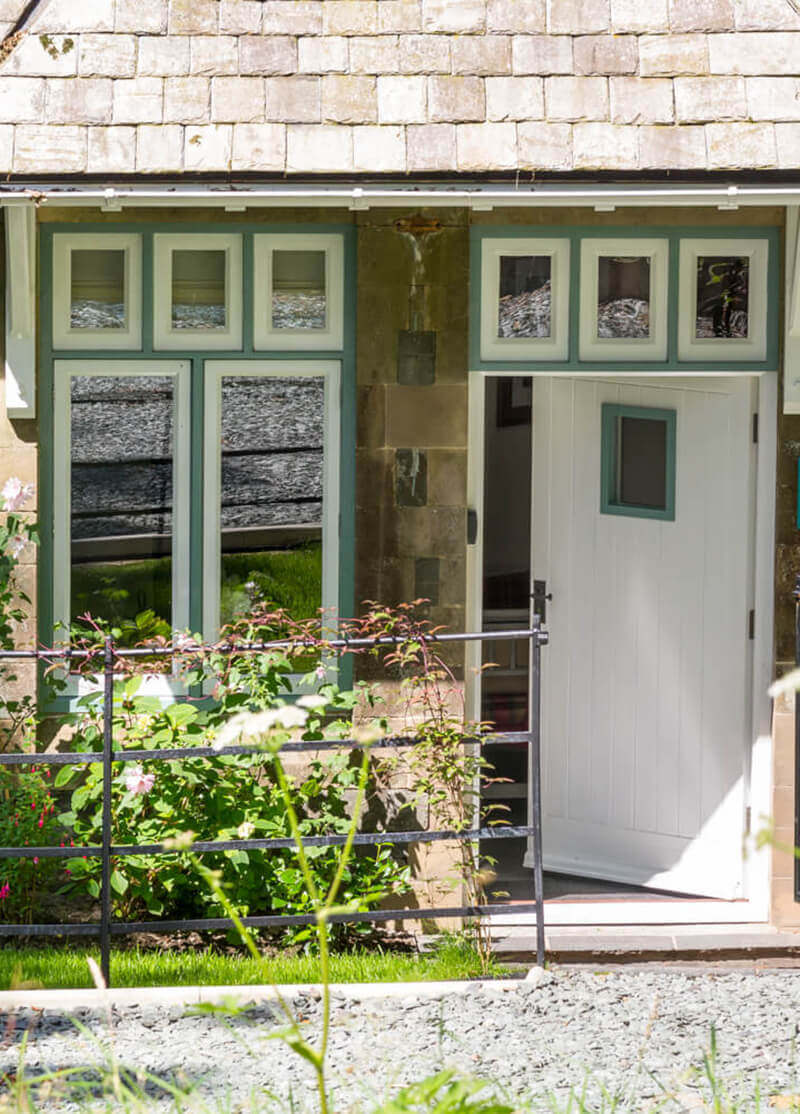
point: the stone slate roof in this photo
(348, 87)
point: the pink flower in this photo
(137, 781)
(5, 891)
(16, 545)
(16, 494)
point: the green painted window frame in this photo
(611, 413)
(574, 235)
(197, 359)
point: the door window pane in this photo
(623, 296)
(122, 432)
(722, 296)
(638, 461)
(524, 296)
(198, 289)
(271, 494)
(298, 290)
(97, 294)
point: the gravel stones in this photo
(634, 1037)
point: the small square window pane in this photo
(298, 290)
(198, 289)
(642, 462)
(623, 296)
(97, 294)
(525, 308)
(722, 296)
(122, 438)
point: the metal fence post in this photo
(533, 856)
(797, 740)
(108, 741)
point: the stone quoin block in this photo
(325, 55)
(461, 17)
(141, 19)
(636, 17)
(425, 54)
(605, 147)
(481, 54)
(641, 100)
(773, 98)
(21, 100)
(514, 98)
(259, 147)
(187, 100)
(31, 58)
(374, 54)
(544, 146)
(402, 100)
(701, 99)
(787, 139)
(112, 150)
(44, 149)
(138, 100)
(215, 55)
(456, 99)
(350, 17)
(302, 17)
(765, 15)
(237, 99)
(65, 16)
(740, 145)
(294, 100)
(606, 54)
(701, 15)
(107, 55)
(515, 18)
(399, 16)
(267, 54)
(576, 98)
(754, 53)
(241, 17)
(486, 146)
(163, 56)
(377, 148)
(677, 148)
(666, 55)
(349, 100)
(159, 148)
(431, 146)
(324, 148)
(193, 17)
(578, 17)
(541, 54)
(78, 100)
(207, 147)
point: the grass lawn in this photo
(66, 967)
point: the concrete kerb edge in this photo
(243, 995)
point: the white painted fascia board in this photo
(347, 195)
(791, 347)
(20, 361)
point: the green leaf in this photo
(93, 886)
(180, 714)
(64, 776)
(119, 883)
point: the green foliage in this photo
(27, 818)
(16, 532)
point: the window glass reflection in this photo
(198, 290)
(298, 290)
(623, 296)
(97, 294)
(122, 447)
(525, 296)
(722, 296)
(271, 495)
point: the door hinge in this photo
(755, 429)
(747, 820)
(751, 625)
(472, 526)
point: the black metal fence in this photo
(107, 927)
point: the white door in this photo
(645, 681)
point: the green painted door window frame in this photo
(610, 501)
(574, 234)
(197, 358)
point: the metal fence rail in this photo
(106, 927)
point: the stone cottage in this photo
(336, 300)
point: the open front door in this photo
(642, 528)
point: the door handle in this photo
(540, 596)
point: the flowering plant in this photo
(15, 534)
(27, 818)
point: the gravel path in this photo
(633, 1035)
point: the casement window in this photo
(572, 299)
(199, 471)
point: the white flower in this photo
(16, 545)
(245, 830)
(15, 493)
(789, 682)
(248, 728)
(137, 781)
(312, 700)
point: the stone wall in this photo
(399, 86)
